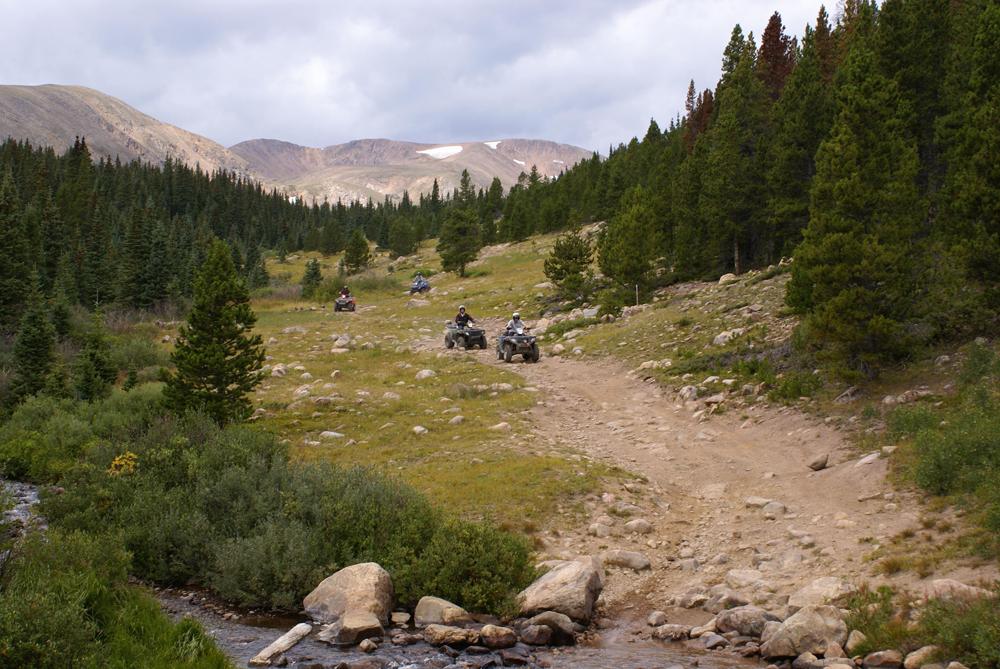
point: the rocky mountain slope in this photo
(53, 115)
(378, 167)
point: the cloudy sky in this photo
(585, 72)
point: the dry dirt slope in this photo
(52, 115)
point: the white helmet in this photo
(461, 307)
(517, 316)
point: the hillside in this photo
(377, 167)
(52, 115)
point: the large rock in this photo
(364, 587)
(536, 635)
(745, 620)
(563, 629)
(920, 657)
(437, 611)
(495, 636)
(627, 559)
(883, 659)
(570, 588)
(445, 635)
(351, 628)
(825, 590)
(672, 632)
(810, 630)
(946, 588)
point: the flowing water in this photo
(242, 638)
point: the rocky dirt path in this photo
(706, 481)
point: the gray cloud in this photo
(585, 72)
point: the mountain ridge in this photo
(54, 115)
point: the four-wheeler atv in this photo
(463, 337)
(517, 342)
(420, 285)
(344, 304)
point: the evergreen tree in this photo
(93, 373)
(802, 119)
(458, 244)
(217, 360)
(628, 244)
(402, 237)
(855, 274)
(311, 279)
(357, 256)
(568, 266)
(776, 58)
(15, 261)
(34, 346)
(732, 199)
(256, 269)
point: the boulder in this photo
(495, 636)
(351, 628)
(536, 635)
(563, 629)
(672, 632)
(399, 618)
(656, 618)
(854, 641)
(810, 630)
(419, 429)
(726, 279)
(281, 644)
(639, 526)
(820, 462)
(883, 659)
(437, 611)
(946, 588)
(425, 374)
(361, 587)
(745, 620)
(708, 628)
(713, 641)
(626, 559)
(570, 588)
(446, 635)
(688, 393)
(368, 646)
(558, 349)
(920, 657)
(739, 579)
(825, 590)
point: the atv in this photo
(517, 342)
(420, 285)
(464, 337)
(344, 303)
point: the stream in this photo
(243, 636)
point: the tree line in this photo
(867, 152)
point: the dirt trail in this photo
(699, 472)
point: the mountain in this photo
(52, 115)
(377, 167)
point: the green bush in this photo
(966, 631)
(64, 602)
(226, 509)
(473, 565)
(875, 614)
(45, 435)
(562, 327)
(794, 385)
(132, 352)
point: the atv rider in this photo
(463, 318)
(345, 292)
(514, 323)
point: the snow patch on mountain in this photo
(441, 152)
(492, 145)
(519, 162)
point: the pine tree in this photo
(458, 244)
(568, 266)
(93, 373)
(34, 345)
(776, 57)
(732, 199)
(402, 237)
(15, 262)
(256, 269)
(311, 279)
(628, 244)
(802, 119)
(357, 256)
(217, 360)
(855, 274)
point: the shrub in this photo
(474, 565)
(794, 385)
(64, 602)
(225, 508)
(562, 327)
(966, 631)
